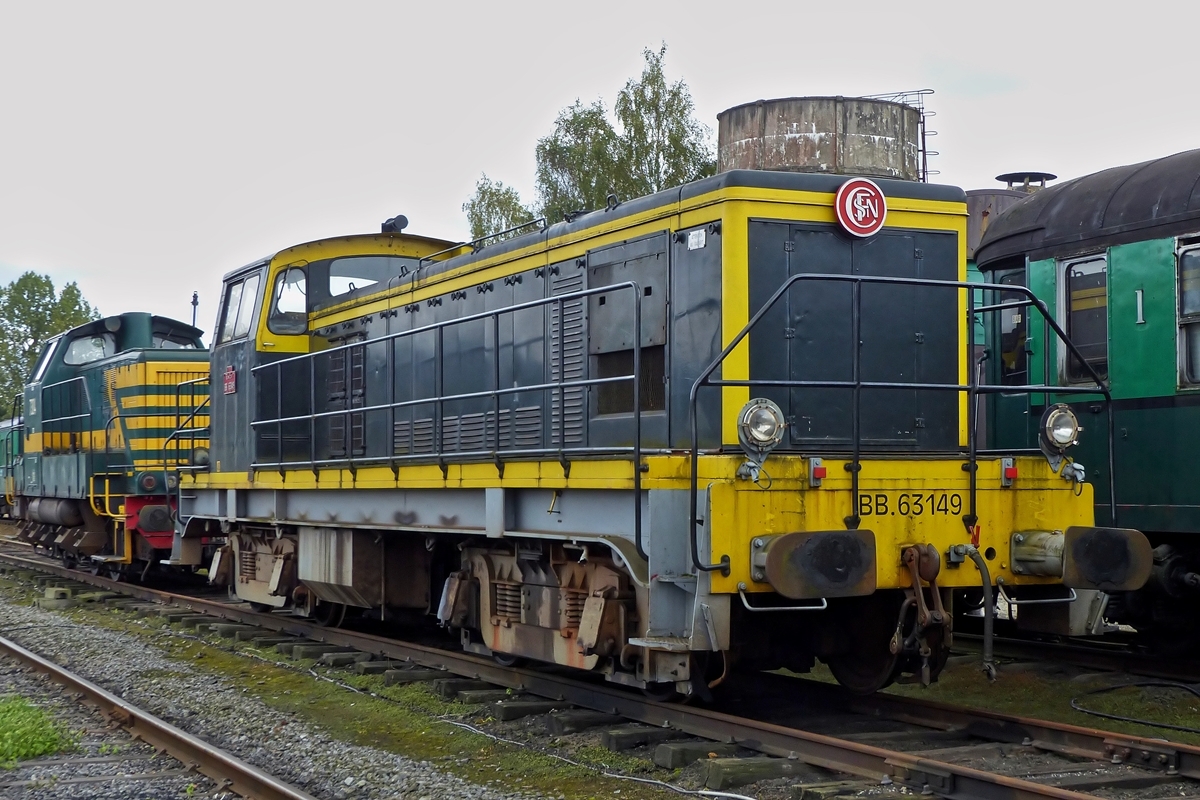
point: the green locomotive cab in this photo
(1115, 258)
(86, 471)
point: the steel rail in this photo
(1108, 658)
(918, 773)
(230, 772)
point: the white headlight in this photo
(760, 427)
(1060, 427)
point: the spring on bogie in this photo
(508, 600)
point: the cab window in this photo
(289, 303)
(1083, 287)
(88, 348)
(237, 316)
(166, 341)
(1189, 315)
(44, 361)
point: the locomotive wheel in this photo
(869, 667)
(329, 615)
(68, 561)
(261, 608)
(507, 659)
(661, 692)
(868, 664)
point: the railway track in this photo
(228, 772)
(876, 744)
(1103, 657)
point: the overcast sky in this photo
(148, 148)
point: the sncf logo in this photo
(860, 207)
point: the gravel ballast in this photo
(218, 710)
(104, 762)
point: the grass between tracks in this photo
(410, 720)
(27, 732)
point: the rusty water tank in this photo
(837, 135)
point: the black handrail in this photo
(496, 454)
(972, 388)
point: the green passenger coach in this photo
(1116, 258)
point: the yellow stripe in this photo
(780, 204)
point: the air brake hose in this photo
(989, 612)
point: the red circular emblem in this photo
(860, 207)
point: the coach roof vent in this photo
(1028, 182)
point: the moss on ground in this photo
(409, 720)
(1045, 691)
(413, 721)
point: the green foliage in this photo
(494, 207)
(27, 732)
(577, 163)
(653, 142)
(31, 311)
(662, 144)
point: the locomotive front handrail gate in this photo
(497, 453)
(972, 388)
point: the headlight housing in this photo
(1059, 428)
(761, 426)
(200, 457)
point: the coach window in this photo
(238, 313)
(1083, 297)
(289, 303)
(1014, 333)
(1189, 314)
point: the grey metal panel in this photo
(566, 513)
(528, 360)
(466, 367)
(888, 343)
(672, 583)
(231, 414)
(695, 335)
(821, 346)
(568, 355)
(642, 260)
(908, 334)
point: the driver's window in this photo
(289, 303)
(238, 315)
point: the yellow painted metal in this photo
(303, 254)
(106, 496)
(740, 510)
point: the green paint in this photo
(1141, 357)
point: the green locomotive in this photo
(92, 454)
(1115, 256)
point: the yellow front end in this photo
(902, 502)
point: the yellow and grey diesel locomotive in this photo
(714, 427)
